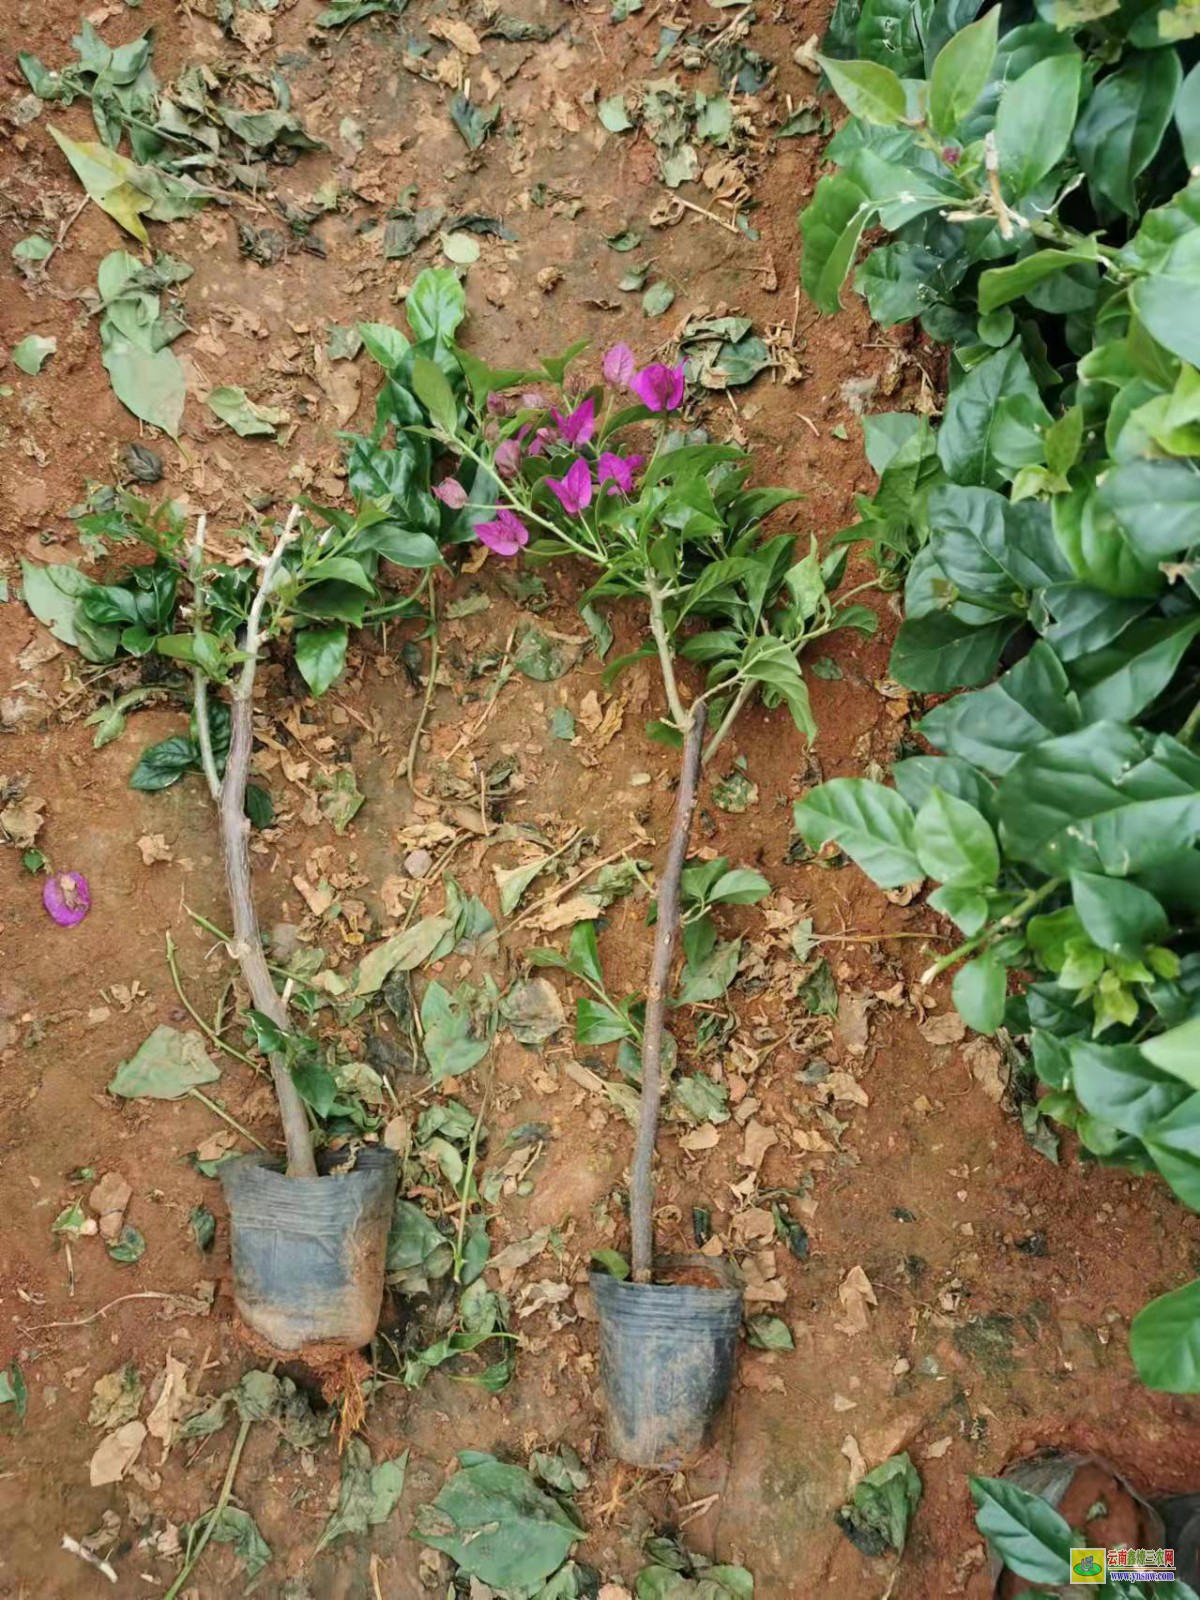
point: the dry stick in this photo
(235, 842)
(641, 1181)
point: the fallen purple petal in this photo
(67, 898)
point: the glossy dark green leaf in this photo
(938, 652)
(831, 227)
(1001, 285)
(1174, 1146)
(161, 765)
(1027, 1535)
(1116, 914)
(1164, 1341)
(990, 729)
(1122, 124)
(966, 439)
(1125, 679)
(321, 656)
(1034, 122)
(955, 843)
(978, 991)
(436, 304)
(867, 89)
(1117, 1084)
(960, 72)
(872, 824)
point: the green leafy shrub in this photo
(1031, 172)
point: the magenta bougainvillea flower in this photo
(574, 490)
(507, 459)
(541, 441)
(579, 426)
(505, 534)
(618, 365)
(617, 471)
(659, 388)
(67, 898)
(451, 493)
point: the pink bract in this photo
(579, 425)
(505, 534)
(67, 898)
(617, 471)
(574, 490)
(451, 493)
(507, 459)
(618, 365)
(658, 387)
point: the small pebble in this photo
(417, 863)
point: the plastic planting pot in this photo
(667, 1357)
(308, 1253)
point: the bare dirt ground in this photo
(1004, 1285)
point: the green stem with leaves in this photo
(1004, 924)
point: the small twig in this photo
(199, 676)
(408, 770)
(680, 715)
(468, 1179)
(73, 1546)
(219, 1111)
(563, 888)
(712, 216)
(205, 1027)
(64, 230)
(641, 1178)
(728, 720)
(84, 1322)
(214, 1516)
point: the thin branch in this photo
(199, 676)
(641, 1181)
(728, 720)
(408, 770)
(680, 715)
(213, 1516)
(235, 838)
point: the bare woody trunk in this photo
(235, 836)
(641, 1181)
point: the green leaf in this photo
(1164, 1341)
(1116, 914)
(14, 1391)
(1187, 116)
(818, 993)
(831, 228)
(30, 250)
(1107, 798)
(696, 1098)
(739, 887)
(474, 122)
(403, 952)
(1034, 122)
(765, 1332)
(458, 1028)
(239, 1529)
(886, 1498)
(432, 389)
(1025, 1533)
(613, 1263)
(321, 656)
(111, 180)
(999, 285)
(599, 1023)
(497, 1525)
(1177, 1051)
(149, 383)
(161, 765)
(128, 1247)
(967, 439)
(234, 407)
(1116, 1084)
(1155, 503)
(31, 353)
(967, 908)
(979, 992)
(955, 843)
(939, 651)
(1174, 1146)
(709, 978)
(1122, 124)
(960, 72)
(165, 1066)
(367, 1495)
(614, 114)
(872, 824)
(383, 343)
(658, 298)
(866, 89)
(436, 305)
